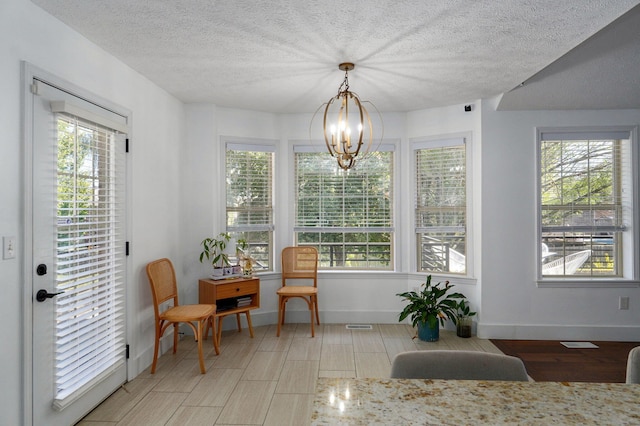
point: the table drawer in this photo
(236, 289)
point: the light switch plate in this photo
(8, 247)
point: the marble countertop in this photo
(465, 402)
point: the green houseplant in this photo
(213, 251)
(429, 307)
(465, 323)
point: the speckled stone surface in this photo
(455, 402)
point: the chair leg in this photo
(199, 338)
(311, 315)
(281, 302)
(211, 323)
(176, 333)
(284, 308)
(315, 304)
(155, 349)
(205, 336)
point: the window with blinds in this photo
(90, 256)
(249, 193)
(346, 215)
(585, 203)
(441, 205)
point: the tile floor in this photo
(266, 380)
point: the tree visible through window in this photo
(249, 188)
(441, 205)
(585, 203)
(346, 215)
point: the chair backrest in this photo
(633, 366)
(300, 262)
(162, 278)
(458, 365)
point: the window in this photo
(249, 187)
(586, 206)
(441, 205)
(89, 322)
(346, 215)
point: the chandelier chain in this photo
(345, 83)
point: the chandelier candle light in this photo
(348, 131)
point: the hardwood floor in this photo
(265, 380)
(551, 361)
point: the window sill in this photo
(588, 283)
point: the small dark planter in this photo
(463, 329)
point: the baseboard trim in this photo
(618, 333)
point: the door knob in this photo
(43, 295)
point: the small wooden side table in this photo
(228, 294)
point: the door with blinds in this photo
(78, 232)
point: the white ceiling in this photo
(283, 56)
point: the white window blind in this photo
(346, 215)
(441, 205)
(249, 193)
(90, 263)
(586, 205)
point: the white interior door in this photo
(79, 350)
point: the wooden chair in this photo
(299, 263)
(633, 366)
(457, 365)
(162, 278)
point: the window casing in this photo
(586, 206)
(346, 215)
(441, 205)
(249, 195)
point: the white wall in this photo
(512, 304)
(27, 33)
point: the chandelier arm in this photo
(324, 127)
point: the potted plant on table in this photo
(213, 251)
(429, 307)
(465, 323)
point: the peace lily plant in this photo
(429, 307)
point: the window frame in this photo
(253, 145)
(630, 257)
(441, 141)
(385, 146)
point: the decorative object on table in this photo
(213, 249)
(347, 125)
(465, 323)
(245, 261)
(429, 307)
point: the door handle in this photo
(43, 295)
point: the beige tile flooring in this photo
(266, 380)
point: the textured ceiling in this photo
(282, 56)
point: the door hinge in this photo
(34, 87)
(126, 147)
(127, 352)
(126, 249)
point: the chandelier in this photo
(347, 127)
